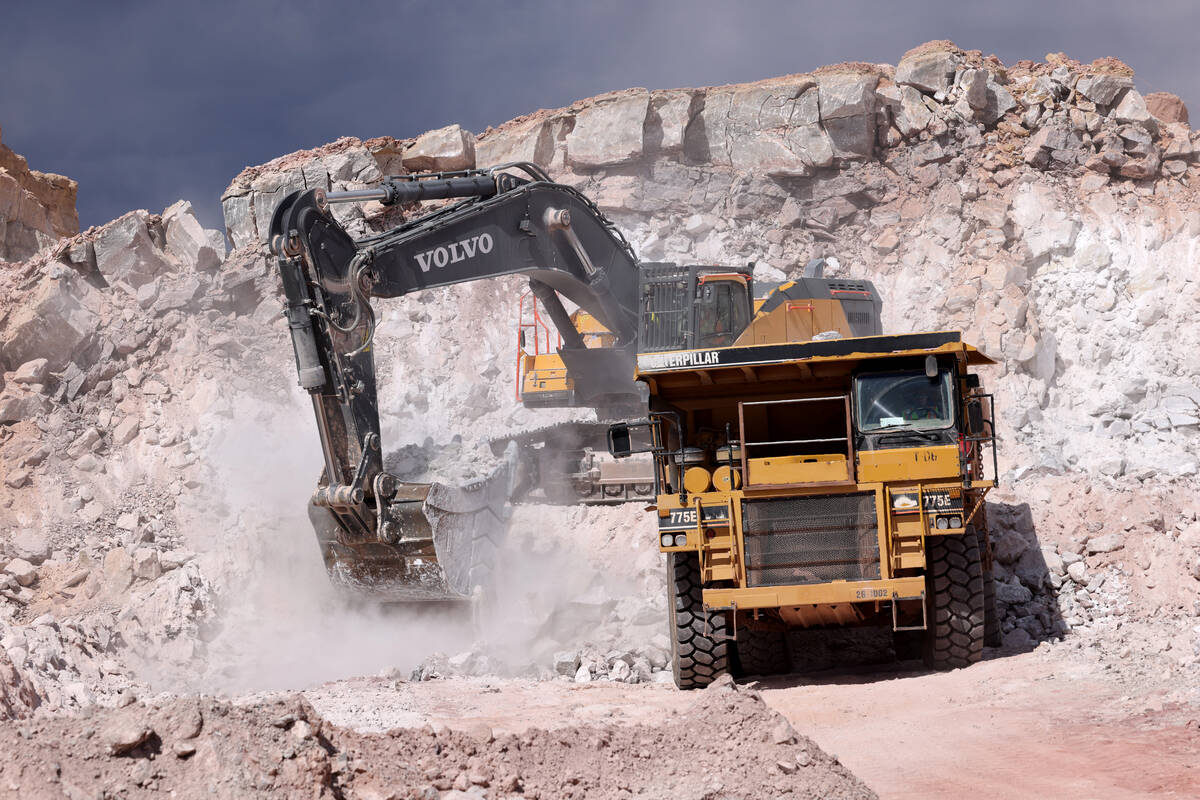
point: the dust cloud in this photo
(280, 624)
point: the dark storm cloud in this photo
(144, 103)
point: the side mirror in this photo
(619, 444)
(975, 416)
(972, 380)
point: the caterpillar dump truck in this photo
(813, 472)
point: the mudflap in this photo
(449, 537)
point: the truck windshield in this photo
(903, 400)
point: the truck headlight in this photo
(942, 523)
(680, 539)
(666, 540)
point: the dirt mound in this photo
(727, 745)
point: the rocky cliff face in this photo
(36, 208)
(1041, 208)
(157, 456)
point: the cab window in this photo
(899, 400)
(723, 313)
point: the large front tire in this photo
(698, 645)
(954, 593)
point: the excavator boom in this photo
(421, 542)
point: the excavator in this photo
(401, 541)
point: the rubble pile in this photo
(118, 346)
(158, 457)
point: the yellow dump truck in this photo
(812, 472)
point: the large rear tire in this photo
(954, 592)
(761, 653)
(698, 645)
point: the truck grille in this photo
(811, 539)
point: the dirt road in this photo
(1054, 722)
(1032, 725)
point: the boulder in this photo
(442, 150)
(125, 252)
(610, 131)
(187, 240)
(51, 322)
(34, 371)
(238, 210)
(995, 103)
(31, 545)
(846, 102)
(929, 68)
(173, 559)
(22, 571)
(124, 733)
(86, 441)
(118, 570)
(670, 113)
(772, 128)
(1009, 547)
(177, 294)
(126, 431)
(357, 164)
(268, 189)
(530, 141)
(17, 405)
(1045, 225)
(1105, 543)
(913, 115)
(1012, 592)
(1104, 88)
(1180, 145)
(17, 478)
(145, 564)
(1132, 109)
(974, 85)
(1166, 107)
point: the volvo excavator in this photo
(403, 541)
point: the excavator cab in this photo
(690, 307)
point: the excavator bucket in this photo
(445, 550)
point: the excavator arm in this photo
(416, 541)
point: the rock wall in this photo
(36, 208)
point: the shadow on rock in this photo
(1027, 576)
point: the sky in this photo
(144, 103)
